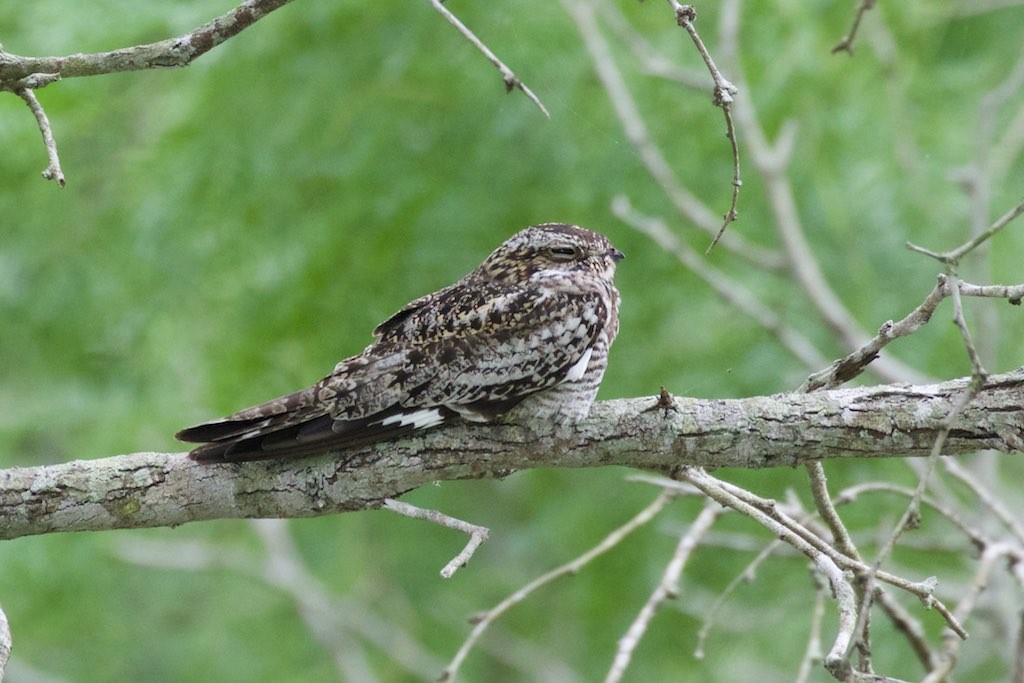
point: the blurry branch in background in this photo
(342, 625)
(846, 43)
(512, 82)
(667, 589)
(691, 208)
(772, 161)
(482, 622)
(856, 598)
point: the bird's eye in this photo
(563, 253)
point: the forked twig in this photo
(846, 44)
(53, 170)
(477, 534)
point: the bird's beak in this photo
(616, 255)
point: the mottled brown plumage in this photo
(528, 330)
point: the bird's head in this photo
(551, 248)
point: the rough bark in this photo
(167, 489)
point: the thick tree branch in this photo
(161, 489)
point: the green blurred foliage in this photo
(231, 230)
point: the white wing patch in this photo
(418, 419)
(577, 371)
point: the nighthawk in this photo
(527, 332)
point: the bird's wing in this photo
(475, 351)
(485, 348)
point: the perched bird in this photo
(524, 334)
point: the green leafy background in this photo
(230, 230)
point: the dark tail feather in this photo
(259, 439)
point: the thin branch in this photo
(953, 256)
(770, 163)
(723, 98)
(633, 125)
(766, 513)
(836, 662)
(512, 82)
(477, 534)
(846, 43)
(845, 369)
(180, 51)
(824, 504)
(53, 170)
(850, 495)
(22, 75)
(610, 541)
(668, 588)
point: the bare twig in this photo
(22, 75)
(512, 82)
(846, 43)
(784, 527)
(953, 256)
(628, 113)
(723, 97)
(771, 161)
(845, 369)
(824, 504)
(477, 534)
(613, 539)
(836, 662)
(53, 170)
(668, 588)
(850, 494)
(180, 51)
